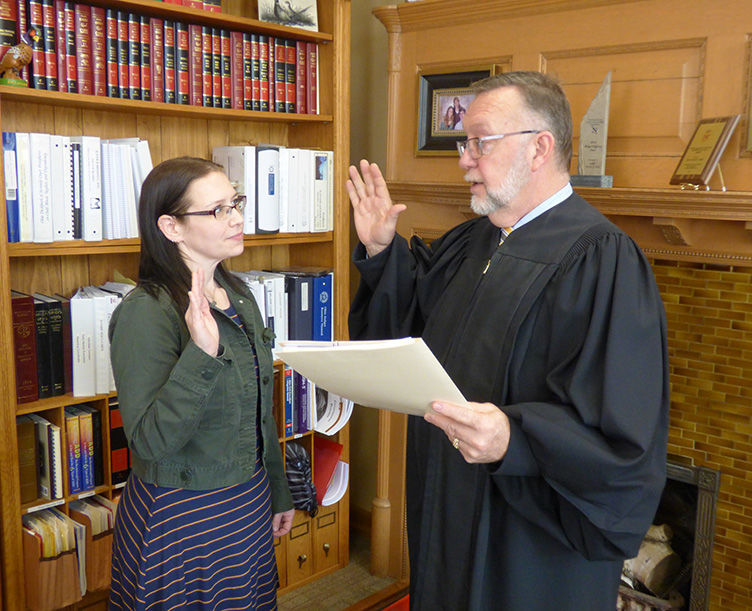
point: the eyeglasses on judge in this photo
(222, 212)
(477, 147)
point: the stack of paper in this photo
(401, 375)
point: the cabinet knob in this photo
(301, 559)
(327, 547)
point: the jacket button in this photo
(206, 374)
(265, 379)
(185, 475)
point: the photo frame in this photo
(442, 99)
(294, 13)
(703, 151)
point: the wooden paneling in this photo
(673, 62)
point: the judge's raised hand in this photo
(374, 213)
(479, 431)
(201, 324)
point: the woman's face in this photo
(205, 241)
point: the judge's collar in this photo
(545, 205)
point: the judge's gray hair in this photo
(544, 96)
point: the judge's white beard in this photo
(517, 177)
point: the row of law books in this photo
(66, 555)
(60, 344)
(288, 189)
(116, 53)
(72, 187)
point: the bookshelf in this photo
(62, 267)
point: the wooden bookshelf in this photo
(174, 130)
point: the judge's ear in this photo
(545, 149)
(170, 227)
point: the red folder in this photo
(326, 455)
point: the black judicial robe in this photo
(565, 332)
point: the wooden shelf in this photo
(105, 247)
(96, 102)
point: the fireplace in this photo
(688, 507)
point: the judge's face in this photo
(503, 170)
(204, 240)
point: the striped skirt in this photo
(194, 549)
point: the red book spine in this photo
(145, 44)
(216, 68)
(36, 67)
(272, 94)
(169, 62)
(247, 72)
(62, 66)
(213, 6)
(263, 45)
(182, 84)
(195, 65)
(50, 45)
(134, 57)
(194, 4)
(24, 346)
(291, 74)
(156, 55)
(312, 79)
(255, 73)
(8, 24)
(83, 49)
(71, 67)
(280, 74)
(226, 52)
(123, 73)
(99, 50)
(111, 53)
(236, 70)
(300, 77)
(206, 66)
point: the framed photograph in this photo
(294, 13)
(443, 98)
(704, 150)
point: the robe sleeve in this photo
(399, 286)
(587, 463)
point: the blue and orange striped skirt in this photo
(194, 549)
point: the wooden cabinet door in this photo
(299, 549)
(325, 538)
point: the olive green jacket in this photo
(190, 418)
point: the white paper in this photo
(401, 375)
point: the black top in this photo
(565, 332)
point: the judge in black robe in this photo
(561, 327)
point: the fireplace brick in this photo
(709, 313)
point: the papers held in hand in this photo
(401, 375)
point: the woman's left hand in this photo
(282, 522)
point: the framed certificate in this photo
(704, 150)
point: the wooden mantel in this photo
(702, 226)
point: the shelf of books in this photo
(113, 88)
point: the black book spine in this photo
(42, 321)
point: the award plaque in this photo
(591, 159)
(704, 150)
